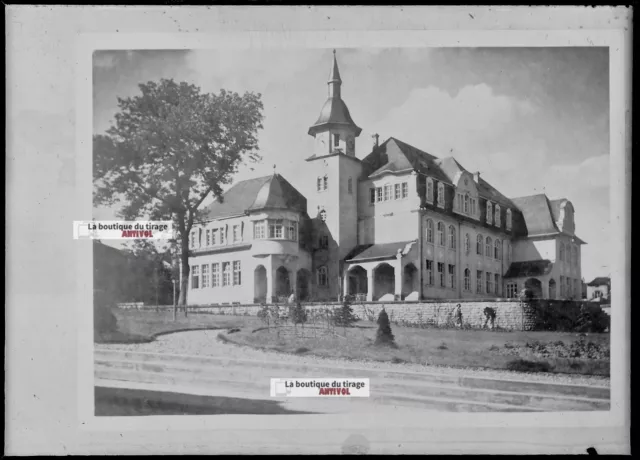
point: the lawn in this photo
(143, 326)
(521, 351)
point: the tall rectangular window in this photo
(479, 281)
(452, 276)
(429, 270)
(387, 192)
(319, 184)
(372, 195)
(226, 273)
(195, 277)
(322, 276)
(489, 283)
(193, 240)
(293, 231)
(237, 273)
(429, 190)
(236, 233)
(397, 191)
(325, 182)
(214, 236)
(275, 229)
(205, 276)
(512, 290)
(258, 230)
(467, 280)
(336, 140)
(405, 189)
(441, 274)
(215, 275)
(379, 193)
(208, 237)
(222, 235)
(498, 287)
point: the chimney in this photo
(476, 177)
(375, 140)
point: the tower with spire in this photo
(333, 203)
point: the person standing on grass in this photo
(458, 316)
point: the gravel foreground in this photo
(207, 343)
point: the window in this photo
(379, 194)
(258, 230)
(496, 252)
(214, 236)
(467, 244)
(467, 280)
(441, 273)
(479, 242)
(215, 275)
(397, 195)
(322, 183)
(574, 257)
(350, 185)
(193, 239)
(236, 233)
(429, 270)
(372, 195)
(405, 189)
(336, 140)
(512, 290)
(319, 184)
(293, 231)
(322, 276)
(488, 248)
(323, 215)
(429, 190)
(208, 237)
(452, 276)
(508, 219)
(452, 237)
(459, 202)
(226, 273)
(325, 182)
(429, 231)
(275, 229)
(489, 212)
(222, 235)
(561, 252)
(237, 273)
(205, 276)
(489, 283)
(597, 294)
(498, 286)
(440, 233)
(466, 204)
(195, 277)
(323, 242)
(387, 192)
(441, 194)
(479, 282)
(497, 218)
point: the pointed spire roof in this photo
(334, 112)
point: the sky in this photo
(531, 120)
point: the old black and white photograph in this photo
(318, 230)
(429, 218)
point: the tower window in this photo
(322, 276)
(336, 140)
(323, 215)
(325, 181)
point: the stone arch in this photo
(283, 283)
(535, 286)
(303, 278)
(552, 288)
(410, 281)
(357, 279)
(384, 281)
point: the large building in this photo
(398, 224)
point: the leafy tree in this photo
(170, 148)
(298, 314)
(384, 335)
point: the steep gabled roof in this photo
(268, 192)
(529, 268)
(600, 281)
(536, 211)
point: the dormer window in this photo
(497, 218)
(489, 212)
(336, 140)
(466, 204)
(508, 219)
(429, 190)
(323, 215)
(441, 194)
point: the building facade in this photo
(397, 224)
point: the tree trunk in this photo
(184, 278)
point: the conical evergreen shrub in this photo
(384, 336)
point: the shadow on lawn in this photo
(128, 402)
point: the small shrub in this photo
(298, 314)
(344, 316)
(384, 335)
(443, 346)
(523, 365)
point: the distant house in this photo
(599, 289)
